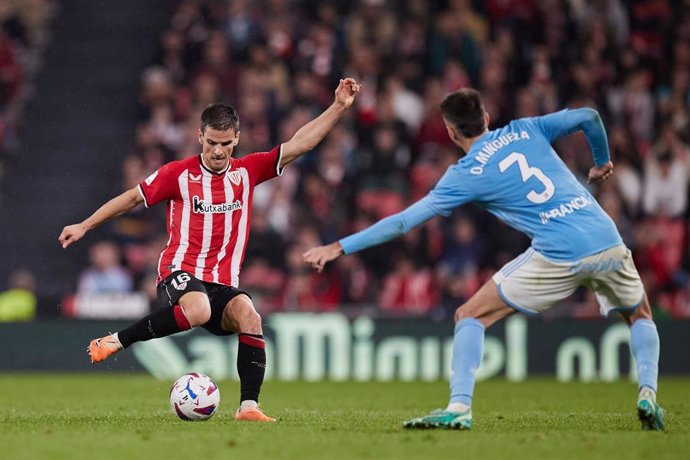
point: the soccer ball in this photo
(194, 396)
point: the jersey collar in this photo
(217, 173)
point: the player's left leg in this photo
(472, 318)
(239, 315)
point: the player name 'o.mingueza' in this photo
(490, 148)
(565, 209)
(201, 207)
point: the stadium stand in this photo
(277, 61)
(24, 35)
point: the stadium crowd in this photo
(277, 62)
(24, 34)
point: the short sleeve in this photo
(263, 166)
(162, 185)
(451, 191)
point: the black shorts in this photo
(180, 282)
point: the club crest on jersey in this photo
(235, 177)
(201, 207)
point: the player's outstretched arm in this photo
(309, 135)
(384, 230)
(113, 208)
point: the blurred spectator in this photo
(408, 289)
(105, 274)
(18, 302)
(306, 289)
(667, 172)
(24, 32)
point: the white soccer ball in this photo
(194, 396)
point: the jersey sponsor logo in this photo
(491, 147)
(151, 178)
(235, 177)
(201, 207)
(194, 178)
(563, 210)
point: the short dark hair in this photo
(464, 109)
(221, 117)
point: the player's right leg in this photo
(620, 289)
(644, 344)
(239, 315)
(184, 304)
(481, 311)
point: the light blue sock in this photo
(644, 344)
(468, 347)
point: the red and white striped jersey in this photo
(209, 213)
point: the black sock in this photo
(161, 323)
(251, 365)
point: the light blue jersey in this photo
(514, 173)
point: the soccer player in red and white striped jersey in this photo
(209, 200)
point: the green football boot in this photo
(442, 419)
(650, 413)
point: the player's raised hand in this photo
(346, 91)
(320, 256)
(70, 234)
(600, 173)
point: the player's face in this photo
(217, 147)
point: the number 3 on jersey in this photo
(526, 172)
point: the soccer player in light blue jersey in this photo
(514, 173)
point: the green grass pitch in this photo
(51, 416)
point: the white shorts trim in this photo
(532, 284)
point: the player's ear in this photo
(487, 119)
(201, 137)
(237, 139)
(451, 133)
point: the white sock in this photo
(117, 339)
(457, 407)
(647, 389)
(248, 404)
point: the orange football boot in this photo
(100, 349)
(253, 414)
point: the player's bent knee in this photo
(464, 311)
(250, 322)
(243, 315)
